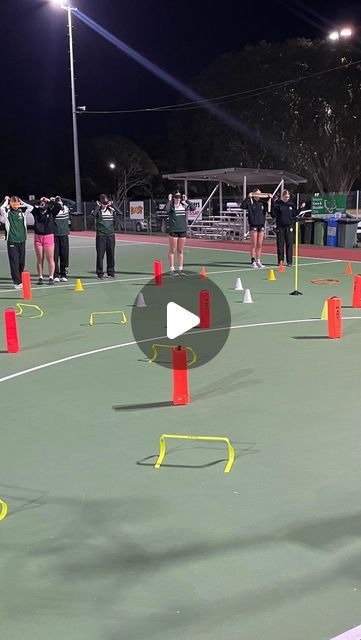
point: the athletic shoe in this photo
(56, 279)
(289, 264)
(51, 281)
(105, 275)
(113, 276)
(173, 273)
(181, 272)
(260, 265)
(63, 279)
(40, 281)
(254, 265)
(100, 277)
(18, 287)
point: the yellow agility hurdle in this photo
(162, 438)
(155, 348)
(21, 306)
(105, 313)
(4, 509)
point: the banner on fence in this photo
(192, 215)
(327, 205)
(136, 209)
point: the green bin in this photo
(307, 227)
(347, 234)
(320, 232)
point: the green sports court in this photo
(98, 544)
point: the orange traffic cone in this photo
(281, 267)
(348, 270)
(203, 273)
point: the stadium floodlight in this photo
(346, 32)
(65, 4)
(334, 35)
(112, 165)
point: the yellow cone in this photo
(324, 314)
(78, 285)
(271, 275)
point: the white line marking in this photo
(132, 343)
(351, 634)
(45, 287)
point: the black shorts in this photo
(178, 234)
(257, 227)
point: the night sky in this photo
(182, 37)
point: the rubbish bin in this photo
(320, 232)
(347, 234)
(332, 232)
(77, 221)
(307, 231)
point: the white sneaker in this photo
(18, 287)
(56, 280)
(63, 279)
(254, 265)
(260, 265)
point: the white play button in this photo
(179, 320)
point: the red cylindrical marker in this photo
(158, 272)
(11, 331)
(25, 277)
(180, 376)
(205, 309)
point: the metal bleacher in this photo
(228, 225)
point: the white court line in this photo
(46, 365)
(264, 253)
(45, 287)
(351, 634)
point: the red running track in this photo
(306, 251)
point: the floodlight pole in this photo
(78, 198)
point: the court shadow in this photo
(143, 406)
(144, 463)
(310, 338)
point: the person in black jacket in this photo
(285, 212)
(44, 229)
(256, 211)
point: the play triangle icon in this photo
(179, 320)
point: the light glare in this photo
(346, 32)
(111, 165)
(334, 35)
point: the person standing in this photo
(104, 214)
(176, 209)
(13, 213)
(61, 242)
(44, 229)
(256, 213)
(285, 213)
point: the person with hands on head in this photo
(177, 208)
(44, 229)
(256, 213)
(285, 212)
(61, 242)
(104, 214)
(13, 214)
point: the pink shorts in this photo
(44, 241)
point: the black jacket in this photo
(256, 210)
(284, 212)
(45, 219)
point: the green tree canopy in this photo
(310, 126)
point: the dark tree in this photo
(310, 126)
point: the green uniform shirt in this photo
(17, 229)
(177, 216)
(104, 221)
(62, 222)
